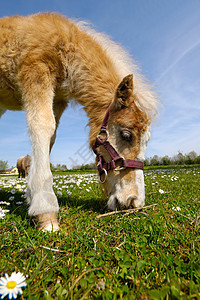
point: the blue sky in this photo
(163, 38)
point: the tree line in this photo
(178, 159)
(3, 165)
(60, 167)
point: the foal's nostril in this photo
(117, 204)
(130, 202)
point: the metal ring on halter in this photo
(121, 168)
(105, 172)
(104, 131)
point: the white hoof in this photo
(48, 222)
(51, 227)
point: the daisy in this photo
(2, 212)
(13, 191)
(11, 286)
(11, 198)
(176, 208)
(4, 202)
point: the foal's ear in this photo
(124, 92)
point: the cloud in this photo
(177, 60)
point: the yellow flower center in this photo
(11, 284)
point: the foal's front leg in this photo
(40, 194)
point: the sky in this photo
(163, 37)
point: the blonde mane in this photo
(147, 98)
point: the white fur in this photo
(145, 137)
(121, 192)
(139, 176)
(40, 194)
(139, 181)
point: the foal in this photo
(23, 165)
(46, 60)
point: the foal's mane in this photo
(147, 99)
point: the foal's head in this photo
(128, 133)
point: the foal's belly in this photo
(10, 100)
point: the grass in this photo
(150, 254)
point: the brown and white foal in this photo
(46, 60)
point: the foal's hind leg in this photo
(58, 109)
(2, 111)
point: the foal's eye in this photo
(126, 135)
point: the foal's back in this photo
(25, 41)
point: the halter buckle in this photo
(120, 168)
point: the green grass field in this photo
(148, 254)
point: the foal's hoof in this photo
(48, 222)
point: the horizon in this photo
(92, 162)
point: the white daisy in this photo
(13, 191)
(2, 212)
(176, 208)
(11, 198)
(11, 286)
(4, 202)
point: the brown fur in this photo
(37, 52)
(23, 165)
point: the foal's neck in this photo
(94, 80)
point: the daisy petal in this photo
(3, 281)
(4, 295)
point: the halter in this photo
(103, 166)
